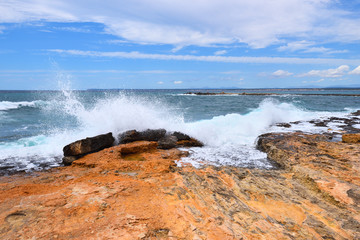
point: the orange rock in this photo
(351, 138)
(142, 194)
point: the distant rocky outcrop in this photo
(357, 113)
(85, 146)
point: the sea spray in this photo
(230, 139)
(67, 116)
(115, 114)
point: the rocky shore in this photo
(134, 190)
(267, 94)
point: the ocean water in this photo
(36, 125)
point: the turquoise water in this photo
(35, 125)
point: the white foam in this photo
(6, 105)
(243, 129)
(230, 139)
(116, 114)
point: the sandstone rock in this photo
(138, 147)
(89, 145)
(147, 135)
(167, 142)
(351, 138)
(143, 194)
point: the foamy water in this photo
(6, 105)
(229, 138)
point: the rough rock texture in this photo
(135, 191)
(147, 135)
(181, 136)
(192, 142)
(89, 145)
(167, 142)
(351, 138)
(357, 113)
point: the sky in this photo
(162, 44)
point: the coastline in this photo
(144, 195)
(267, 94)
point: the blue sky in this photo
(179, 44)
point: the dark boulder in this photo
(181, 136)
(129, 136)
(285, 125)
(357, 113)
(67, 160)
(153, 134)
(89, 145)
(167, 142)
(192, 142)
(147, 135)
(320, 124)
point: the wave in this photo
(7, 105)
(229, 138)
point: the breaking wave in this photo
(229, 138)
(7, 105)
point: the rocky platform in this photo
(136, 191)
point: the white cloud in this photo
(328, 73)
(73, 29)
(281, 74)
(295, 46)
(258, 23)
(138, 55)
(316, 81)
(356, 71)
(177, 48)
(220, 52)
(324, 50)
(178, 82)
(307, 47)
(160, 82)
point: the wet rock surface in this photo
(351, 138)
(166, 140)
(85, 146)
(349, 124)
(147, 135)
(135, 191)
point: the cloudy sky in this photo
(179, 43)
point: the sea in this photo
(36, 125)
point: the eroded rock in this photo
(136, 191)
(147, 135)
(167, 142)
(181, 136)
(89, 145)
(172, 140)
(351, 138)
(357, 113)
